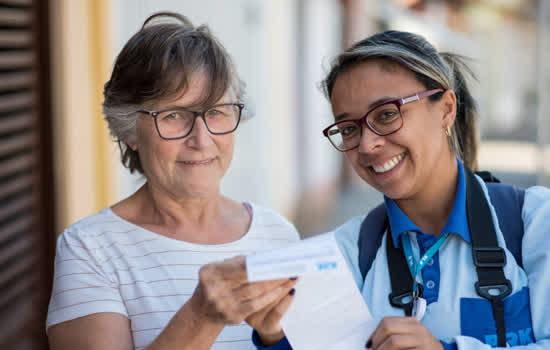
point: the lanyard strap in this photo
(413, 267)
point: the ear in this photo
(131, 140)
(132, 143)
(448, 107)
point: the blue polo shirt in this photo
(457, 224)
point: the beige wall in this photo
(84, 156)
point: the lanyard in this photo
(417, 269)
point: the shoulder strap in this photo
(370, 237)
(487, 177)
(400, 277)
(508, 203)
(489, 258)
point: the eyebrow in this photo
(193, 108)
(341, 116)
(381, 100)
(196, 107)
(173, 108)
(176, 107)
(369, 107)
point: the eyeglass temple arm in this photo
(420, 95)
(429, 93)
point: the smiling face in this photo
(417, 156)
(190, 167)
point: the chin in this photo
(394, 189)
(399, 191)
(395, 195)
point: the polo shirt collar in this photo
(457, 223)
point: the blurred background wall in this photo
(58, 165)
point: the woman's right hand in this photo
(224, 295)
(267, 321)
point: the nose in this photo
(370, 141)
(199, 137)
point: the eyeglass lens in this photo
(383, 120)
(178, 123)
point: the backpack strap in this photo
(371, 231)
(373, 227)
(487, 177)
(400, 277)
(489, 258)
(508, 203)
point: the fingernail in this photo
(292, 291)
(293, 278)
(369, 344)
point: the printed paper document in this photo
(328, 311)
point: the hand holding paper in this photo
(328, 311)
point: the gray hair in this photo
(434, 70)
(158, 62)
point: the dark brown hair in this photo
(158, 62)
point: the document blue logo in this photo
(326, 265)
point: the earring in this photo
(448, 131)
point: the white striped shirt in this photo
(106, 264)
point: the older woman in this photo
(467, 263)
(141, 274)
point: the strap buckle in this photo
(494, 291)
(404, 299)
(489, 256)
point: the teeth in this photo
(389, 165)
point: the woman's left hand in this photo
(402, 333)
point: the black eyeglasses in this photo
(383, 120)
(177, 123)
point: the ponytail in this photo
(465, 136)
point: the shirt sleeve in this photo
(536, 257)
(282, 344)
(80, 286)
(448, 346)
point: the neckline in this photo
(456, 223)
(251, 228)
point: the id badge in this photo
(419, 308)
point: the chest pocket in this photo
(477, 321)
